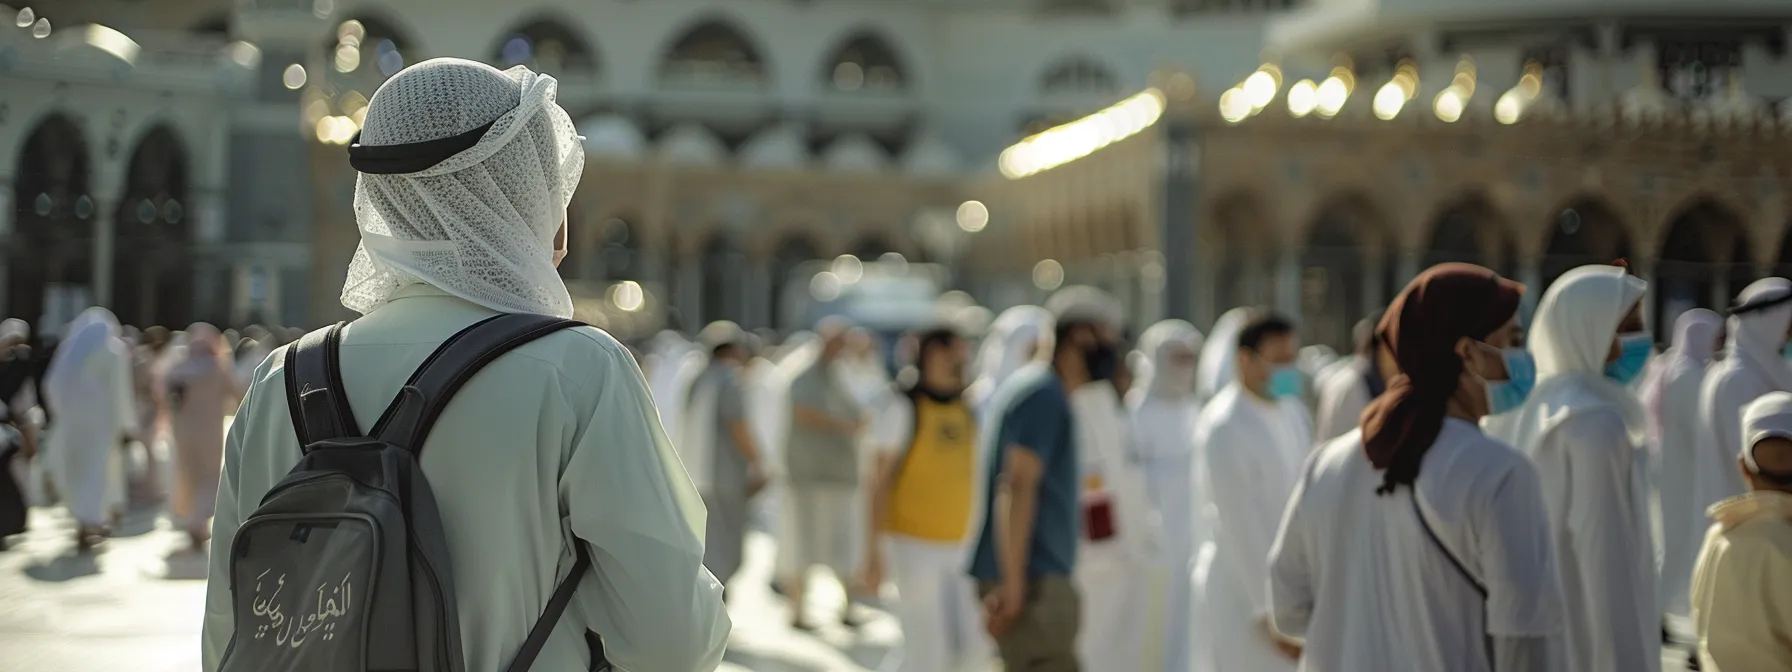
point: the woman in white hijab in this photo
(201, 388)
(1672, 401)
(1752, 366)
(1586, 433)
(88, 385)
(1163, 437)
(1219, 355)
(1013, 341)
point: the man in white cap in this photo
(1035, 511)
(552, 452)
(1742, 589)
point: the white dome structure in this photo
(691, 144)
(612, 136)
(929, 156)
(855, 153)
(781, 146)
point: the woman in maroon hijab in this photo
(1417, 543)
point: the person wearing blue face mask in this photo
(1584, 429)
(1251, 439)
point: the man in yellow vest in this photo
(923, 494)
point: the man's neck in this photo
(1259, 390)
(943, 385)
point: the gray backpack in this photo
(344, 566)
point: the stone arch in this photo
(1237, 249)
(724, 265)
(1346, 266)
(152, 278)
(713, 51)
(548, 43)
(1704, 260)
(1586, 229)
(49, 245)
(1471, 228)
(1078, 75)
(865, 61)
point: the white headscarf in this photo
(1570, 338)
(1219, 357)
(1756, 337)
(1010, 342)
(1157, 344)
(73, 375)
(1695, 335)
(15, 327)
(479, 225)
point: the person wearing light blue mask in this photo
(1521, 377)
(1251, 440)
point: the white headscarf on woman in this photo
(1570, 339)
(1672, 400)
(1011, 343)
(480, 224)
(1163, 438)
(1220, 355)
(88, 387)
(1586, 434)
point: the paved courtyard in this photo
(136, 605)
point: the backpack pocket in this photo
(302, 587)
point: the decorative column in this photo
(1287, 282)
(1375, 278)
(207, 211)
(1530, 273)
(1180, 217)
(690, 295)
(1408, 268)
(758, 293)
(6, 217)
(1644, 268)
(104, 230)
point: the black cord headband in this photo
(1758, 305)
(411, 157)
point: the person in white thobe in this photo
(1252, 438)
(1752, 366)
(1218, 356)
(1672, 401)
(1586, 433)
(554, 444)
(1356, 571)
(1120, 578)
(1163, 437)
(1012, 342)
(88, 389)
(1345, 388)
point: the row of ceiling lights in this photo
(1326, 98)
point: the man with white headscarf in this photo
(1585, 431)
(1759, 325)
(1163, 437)
(89, 385)
(1672, 402)
(719, 450)
(465, 177)
(1252, 438)
(1013, 341)
(1219, 355)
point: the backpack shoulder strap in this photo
(315, 395)
(544, 626)
(408, 420)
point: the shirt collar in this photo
(1755, 504)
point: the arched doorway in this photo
(713, 53)
(547, 45)
(1470, 230)
(792, 252)
(871, 246)
(1704, 263)
(1587, 231)
(49, 252)
(152, 274)
(1347, 270)
(724, 270)
(1236, 256)
(866, 62)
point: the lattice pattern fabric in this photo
(480, 224)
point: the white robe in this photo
(1343, 394)
(1117, 578)
(1752, 366)
(1586, 435)
(88, 387)
(1163, 435)
(1354, 574)
(1251, 452)
(1673, 404)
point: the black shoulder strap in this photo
(544, 626)
(315, 395)
(408, 420)
(1439, 543)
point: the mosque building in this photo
(184, 160)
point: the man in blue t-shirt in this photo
(1026, 550)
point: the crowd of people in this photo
(1461, 493)
(106, 419)
(1466, 491)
